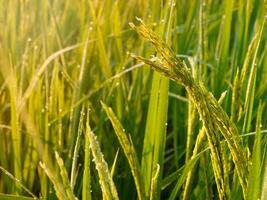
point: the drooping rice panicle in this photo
(211, 113)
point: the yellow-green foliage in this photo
(128, 149)
(59, 57)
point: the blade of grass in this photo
(264, 174)
(254, 185)
(155, 132)
(18, 181)
(14, 197)
(16, 137)
(57, 183)
(250, 92)
(112, 171)
(107, 185)
(128, 149)
(64, 176)
(86, 190)
(82, 83)
(76, 151)
(189, 166)
(103, 56)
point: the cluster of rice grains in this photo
(217, 124)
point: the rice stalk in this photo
(154, 182)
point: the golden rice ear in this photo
(212, 115)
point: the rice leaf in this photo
(153, 190)
(107, 185)
(14, 197)
(264, 174)
(128, 150)
(64, 177)
(251, 85)
(188, 167)
(76, 151)
(86, 187)
(18, 181)
(254, 180)
(112, 171)
(57, 182)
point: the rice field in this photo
(137, 99)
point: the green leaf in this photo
(14, 197)
(254, 174)
(128, 150)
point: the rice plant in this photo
(133, 99)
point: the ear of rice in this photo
(214, 118)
